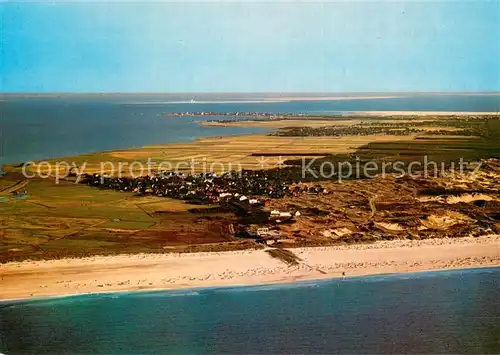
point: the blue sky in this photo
(250, 47)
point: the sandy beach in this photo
(237, 268)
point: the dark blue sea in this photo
(39, 127)
(433, 312)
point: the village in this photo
(246, 195)
(284, 213)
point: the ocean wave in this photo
(162, 294)
(270, 287)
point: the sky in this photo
(221, 46)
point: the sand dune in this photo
(174, 271)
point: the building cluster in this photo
(245, 186)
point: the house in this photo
(280, 216)
(262, 231)
(266, 232)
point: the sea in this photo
(434, 312)
(454, 311)
(37, 127)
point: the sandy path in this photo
(174, 271)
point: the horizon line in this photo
(240, 92)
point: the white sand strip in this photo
(249, 267)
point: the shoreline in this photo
(338, 118)
(280, 284)
(156, 272)
(279, 120)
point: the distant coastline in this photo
(118, 121)
(286, 99)
(266, 120)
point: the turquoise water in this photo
(435, 312)
(34, 128)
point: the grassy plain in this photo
(245, 152)
(68, 219)
(220, 154)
